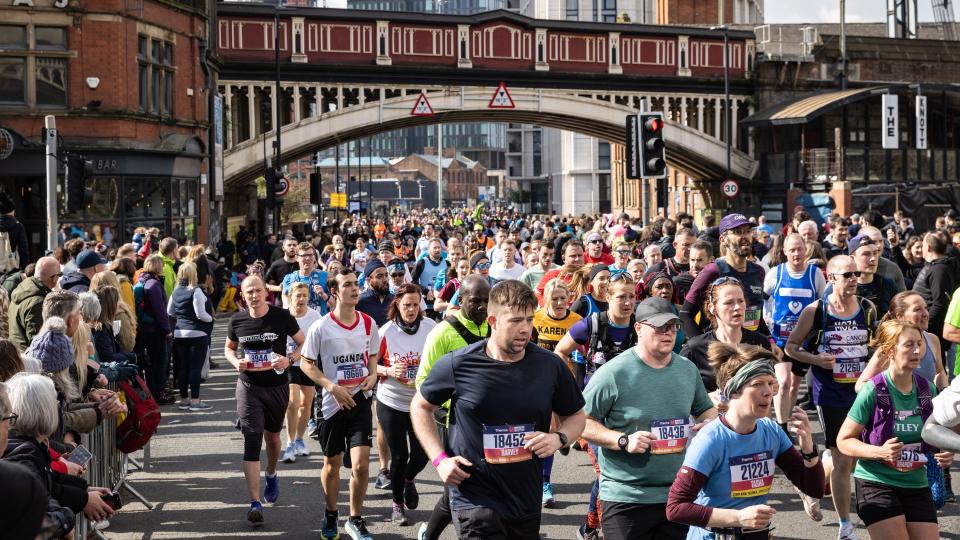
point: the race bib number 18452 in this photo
(504, 444)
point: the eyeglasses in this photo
(482, 266)
(620, 275)
(848, 275)
(668, 328)
(12, 417)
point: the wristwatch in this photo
(812, 454)
(623, 441)
(563, 438)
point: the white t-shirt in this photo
(305, 322)
(500, 272)
(360, 258)
(342, 352)
(399, 346)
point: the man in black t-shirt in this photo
(503, 392)
(281, 267)
(257, 347)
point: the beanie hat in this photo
(52, 346)
(372, 267)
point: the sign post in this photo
(53, 170)
(921, 112)
(891, 121)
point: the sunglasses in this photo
(482, 266)
(620, 275)
(727, 279)
(622, 252)
(12, 417)
(397, 274)
(848, 275)
(595, 241)
(668, 328)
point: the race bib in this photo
(751, 318)
(751, 475)
(259, 358)
(351, 374)
(784, 328)
(847, 371)
(504, 444)
(671, 435)
(911, 459)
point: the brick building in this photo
(128, 88)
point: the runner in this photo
(302, 389)
(426, 270)
(791, 286)
(736, 233)
(639, 408)
(507, 267)
(308, 273)
(283, 266)
(680, 262)
(882, 431)
(701, 254)
(555, 319)
(870, 284)
(721, 489)
(595, 300)
(455, 275)
(595, 252)
(832, 335)
(532, 276)
(402, 339)
(621, 257)
(503, 392)
(572, 261)
(260, 333)
(340, 356)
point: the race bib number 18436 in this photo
(504, 444)
(671, 435)
(751, 475)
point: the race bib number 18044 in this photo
(504, 444)
(751, 475)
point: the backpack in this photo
(879, 428)
(142, 416)
(463, 332)
(9, 258)
(599, 324)
(811, 343)
(11, 280)
(140, 301)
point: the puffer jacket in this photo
(75, 282)
(69, 491)
(25, 316)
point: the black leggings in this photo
(406, 462)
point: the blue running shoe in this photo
(255, 513)
(272, 491)
(329, 530)
(548, 499)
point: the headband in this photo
(752, 369)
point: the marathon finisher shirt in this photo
(317, 277)
(739, 468)
(494, 404)
(343, 353)
(258, 337)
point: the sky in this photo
(795, 11)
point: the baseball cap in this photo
(89, 258)
(655, 312)
(478, 227)
(732, 221)
(858, 242)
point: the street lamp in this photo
(726, 88)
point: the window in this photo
(572, 10)
(603, 155)
(155, 71)
(609, 11)
(33, 65)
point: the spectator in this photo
(26, 306)
(125, 270)
(11, 363)
(168, 251)
(89, 262)
(16, 234)
(191, 338)
(937, 281)
(153, 326)
(71, 250)
(126, 315)
(104, 328)
(809, 231)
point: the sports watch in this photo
(623, 441)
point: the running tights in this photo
(406, 460)
(252, 443)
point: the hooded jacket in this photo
(25, 315)
(18, 238)
(75, 281)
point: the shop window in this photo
(156, 192)
(105, 200)
(155, 72)
(38, 57)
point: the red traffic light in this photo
(653, 124)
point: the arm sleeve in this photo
(200, 305)
(809, 480)
(862, 409)
(33, 320)
(680, 505)
(940, 436)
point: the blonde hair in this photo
(887, 336)
(110, 279)
(188, 273)
(553, 285)
(80, 340)
(154, 265)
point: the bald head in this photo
(474, 294)
(873, 233)
(840, 264)
(47, 271)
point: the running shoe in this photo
(290, 454)
(200, 406)
(411, 497)
(184, 404)
(312, 428)
(422, 532)
(301, 447)
(548, 499)
(255, 513)
(383, 479)
(810, 505)
(357, 529)
(846, 532)
(329, 530)
(586, 533)
(272, 491)
(166, 399)
(398, 516)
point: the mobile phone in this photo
(80, 456)
(113, 500)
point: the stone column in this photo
(252, 111)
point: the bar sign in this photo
(891, 121)
(633, 146)
(921, 122)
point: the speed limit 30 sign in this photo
(730, 188)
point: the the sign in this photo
(501, 98)
(730, 188)
(338, 200)
(891, 121)
(283, 185)
(6, 143)
(633, 146)
(921, 122)
(422, 106)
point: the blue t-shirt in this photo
(739, 468)
(318, 277)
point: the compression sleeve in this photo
(680, 505)
(809, 480)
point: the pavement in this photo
(192, 474)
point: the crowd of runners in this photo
(687, 359)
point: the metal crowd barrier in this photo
(109, 468)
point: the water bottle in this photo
(273, 357)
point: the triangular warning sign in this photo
(422, 106)
(501, 98)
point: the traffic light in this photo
(316, 190)
(653, 163)
(271, 181)
(78, 194)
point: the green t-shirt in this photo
(953, 311)
(627, 395)
(907, 425)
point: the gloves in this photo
(118, 371)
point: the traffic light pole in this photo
(53, 168)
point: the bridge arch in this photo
(698, 155)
